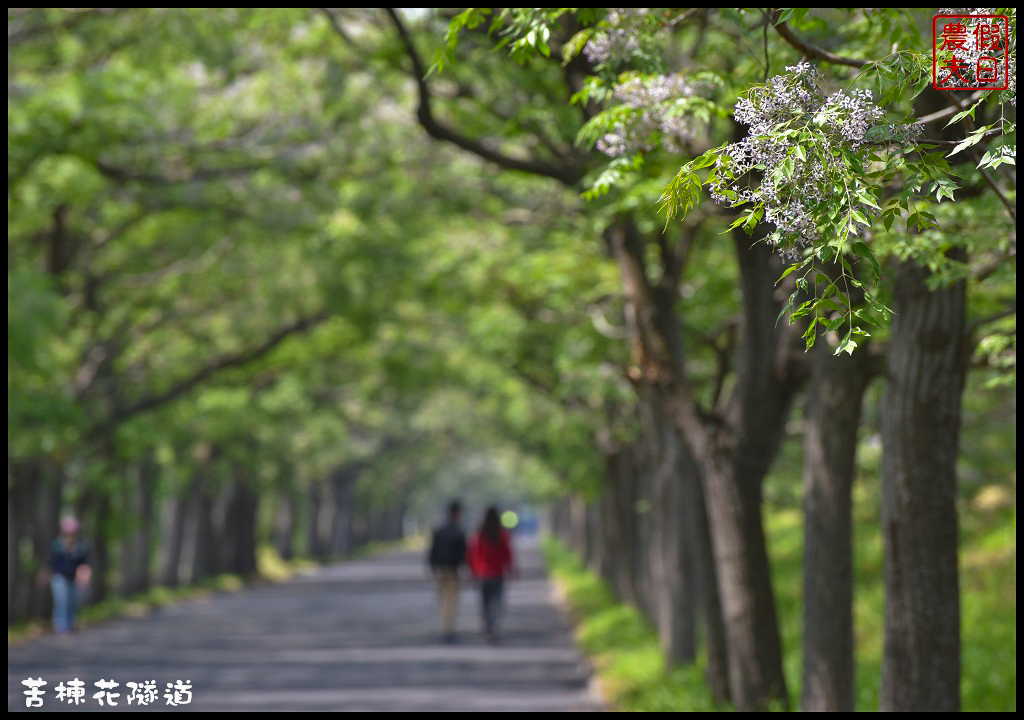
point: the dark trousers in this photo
(491, 592)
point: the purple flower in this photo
(791, 161)
(658, 115)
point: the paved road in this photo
(360, 636)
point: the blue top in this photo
(66, 560)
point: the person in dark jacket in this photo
(68, 569)
(490, 559)
(447, 554)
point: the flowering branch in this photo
(807, 167)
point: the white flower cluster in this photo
(1013, 79)
(619, 40)
(658, 114)
(776, 167)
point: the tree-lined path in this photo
(727, 295)
(357, 636)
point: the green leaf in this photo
(785, 308)
(964, 113)
(804, 309)
(785, 16)
(864, 251)
(810, 335)
(973, 139)
(791, 269)
(847, 344)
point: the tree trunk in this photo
(710, 600)
(748, 603)
(578, 526)
(342, 483)
(673, 583)
(735, 453)
(284, 526)
(734, 466)
(609, 553)
(642, 487)
(138, 545)
(592, 536)
(19, 526)
(99, 550)
(316, 544)
(176, 515)
(204, 551)
(921, 426)
(173, 538)
(396, 519)
(240, 525)
(620, 518)
(15, 574)
(42, 504)
(246, 509)
(554, 518)
(830, 443)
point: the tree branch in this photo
(948, 112)
(724, 353)
(983, 272)
(1006, 312)
(953, 143)
(566, 175)
(19, 31)
(675, 257)
(185, 385)
(1009, 206)
(199, 264)
(603, 326)
(124, 175)
(338, 29)
(812, 51)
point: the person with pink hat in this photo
(69, 568)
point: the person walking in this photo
(491, 561)
(69, 568)
(447, 555)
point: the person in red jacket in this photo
(490, 560)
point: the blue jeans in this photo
(65, 598)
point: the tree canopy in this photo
(293, 278)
